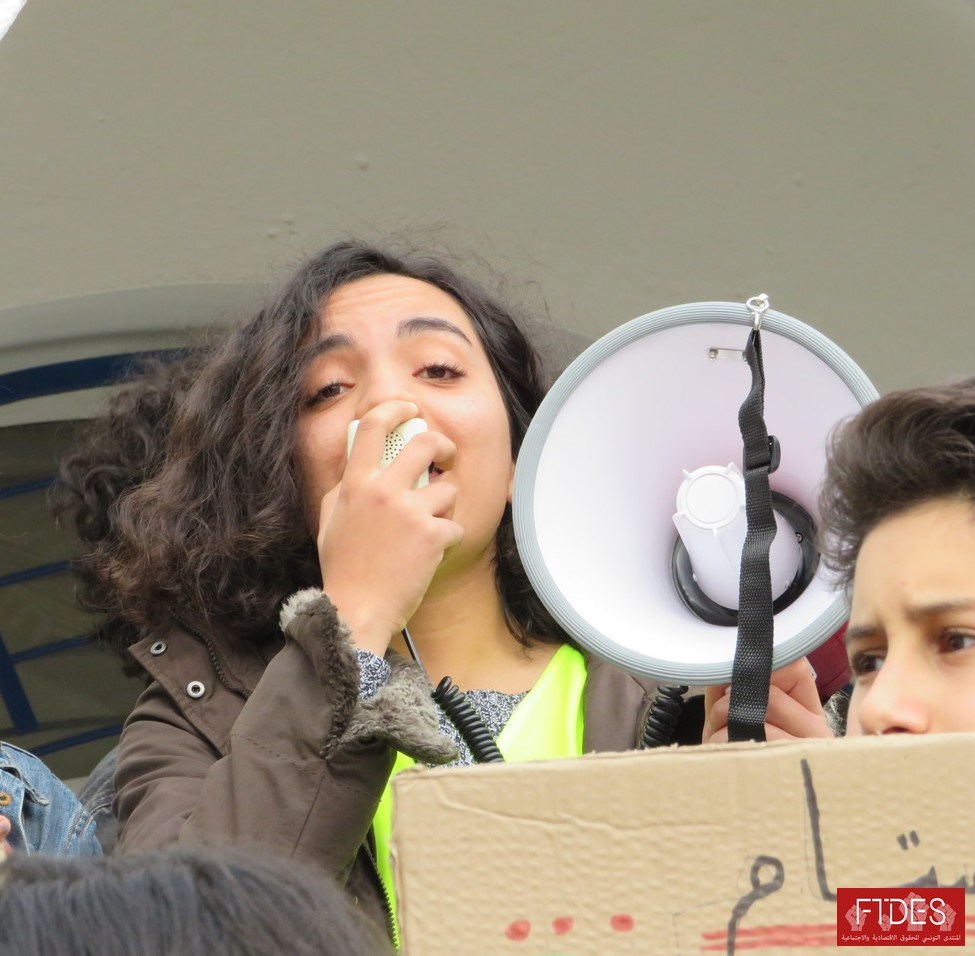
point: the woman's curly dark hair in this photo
(217, 535)
(115, 452)
(908, 447)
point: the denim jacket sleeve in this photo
(45, 816)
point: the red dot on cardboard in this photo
(518, 930)
(621, 922)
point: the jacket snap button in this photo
(196, 689)
(5, 799)
(158, 648)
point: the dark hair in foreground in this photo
(116, 451)
(904, 449)
(176, 902)
(217, 534)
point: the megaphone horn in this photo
(628, 496)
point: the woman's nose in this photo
(385, 385)
(897, 701)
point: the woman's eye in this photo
(441, 371)
(325, 393)
(959, 640)
(865, 663)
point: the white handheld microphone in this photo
(395, 442)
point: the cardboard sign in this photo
(722, 849)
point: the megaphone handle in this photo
(752, 667)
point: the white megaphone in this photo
(629, 500)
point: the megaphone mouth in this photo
(700, 605)
(631, 414)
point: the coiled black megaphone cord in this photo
(664, 714)
(460, 713)
(467, 721)
(658, 731)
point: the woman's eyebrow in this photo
(915, 613)
(860, 631)
(331, 343)
(941, 607)
(337, 341)
(420, 324)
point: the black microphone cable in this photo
(454, 703)
(664, 715)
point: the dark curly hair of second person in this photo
(906, 448)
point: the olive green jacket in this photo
(236, 744)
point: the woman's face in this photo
(390, 337)
(911, 638)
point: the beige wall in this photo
(625, 155)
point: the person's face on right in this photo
(911, 637)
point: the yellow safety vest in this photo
(548, 723)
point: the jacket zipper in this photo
(387, 902)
